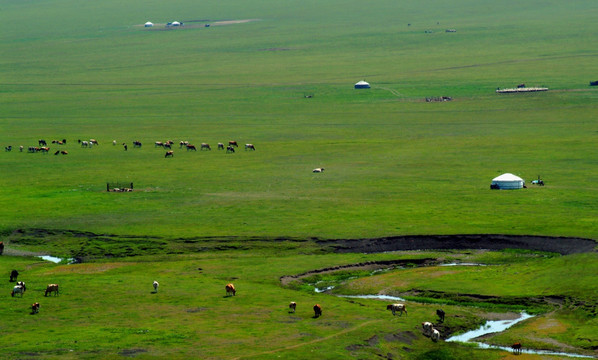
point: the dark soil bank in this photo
(561, 245)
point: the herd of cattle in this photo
(427, 326)
(44, 148)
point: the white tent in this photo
(176, 23)
(362, 85)
(507, 182)
(148, 24)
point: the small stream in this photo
(55, 260)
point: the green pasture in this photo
(108, 310)
(280, 75)
(394, 163)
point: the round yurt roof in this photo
(362, 82)
(149, 23)
(175, 23)
(507, 177)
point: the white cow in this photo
(318, 170)
(427, 328)
(156, 286)
(400, 308)
(17, 290)
(435, 335)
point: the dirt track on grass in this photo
(561, 245)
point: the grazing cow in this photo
(8, 148)
(17, 290)
(64, 152)
(400, 308)
(183, 143)
(440, 314)
(318, 170)
(57, 152)
(44, 149)
(520, 86)
(169, 153)
(205, 146)
(84, 143)
(125, 146)
(64, 141)
(156, 286)
(113, 142)
(249, 147)
(14, 275)
(1, 247)
(158, 144)
(21, 148)
(42, 142)
(93, 141)
(220, 146)
(435, 336)
(292, 306)
(233, 143)
(35, 308)
(230, 289)
(167, 145)
(136, 143)
(51, 288)
(427, 326)
(230, 149)
(22, 284)
(191, 147)
(317, 310)
(516, 348)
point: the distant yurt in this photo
(176, 23)
(507, 182)
(148, 24)
(362, 85)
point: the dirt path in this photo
(309, 342)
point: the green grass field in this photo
(395, 164)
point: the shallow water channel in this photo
(54, 259)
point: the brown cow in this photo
(51, 288)
(35, 308)
(169, 154)
(292, 306)
(516, 348)
(317, 310)
(230, 289)
(191, 147)
(205, 146)
(233, 143)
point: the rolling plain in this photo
(280, 75)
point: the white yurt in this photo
(507, 182)
(148, 24)
(362, 85)
(176, 23)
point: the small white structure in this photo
(362, 85)
(148, 24)
(175, 23)
(507, 182)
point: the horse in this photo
(516, 348)
(249, 147)
(14, 275)
(230, 290)
(292, 306)
(205, 146)
(51, 288)
(169, 153)
(317, 310)
(230, 149)
(440, 314)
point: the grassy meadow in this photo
(280, 75)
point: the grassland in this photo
(395, 165)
